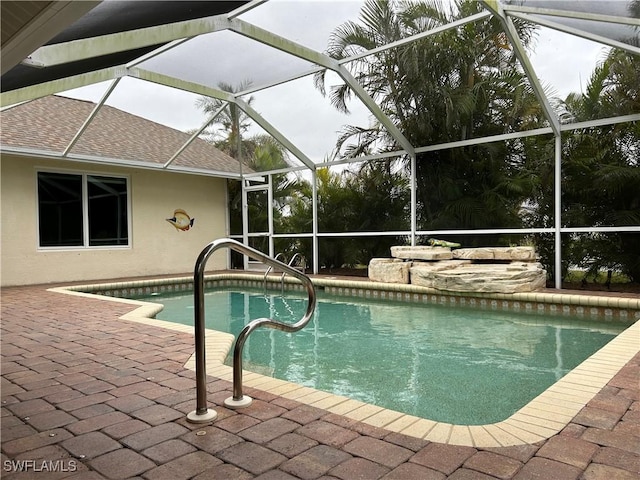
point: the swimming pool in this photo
(455, 365)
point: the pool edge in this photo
(544, 416)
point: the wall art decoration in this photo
(181, 220)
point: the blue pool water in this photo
(456, 365)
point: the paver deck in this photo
(86, 394)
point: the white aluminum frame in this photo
(174, 34)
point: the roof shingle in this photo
(50, 123)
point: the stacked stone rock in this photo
(486, 269)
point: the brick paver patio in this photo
(86, 395)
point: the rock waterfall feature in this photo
(485, 269)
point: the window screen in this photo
(76, 210)
(107, 210)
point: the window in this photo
(77, 210)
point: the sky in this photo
(562, 62)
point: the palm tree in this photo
(370, 199)
(258, 153)
(232, 121)
(601, 173)
(460, 84)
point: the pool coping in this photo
(544, 416)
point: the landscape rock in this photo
(389, 270)
(495, 278)
(421, 253)
(522, 254)
(469, 270)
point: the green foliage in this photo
(577, 276)
(601, 172)
(460, 84)
(230, 123)
(371, 199)
(465, 83)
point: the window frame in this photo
(85, 210)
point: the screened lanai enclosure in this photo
(365, 124)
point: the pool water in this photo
(455, 365)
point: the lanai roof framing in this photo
(104, 45)
(153, 41)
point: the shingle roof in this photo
(50, 123)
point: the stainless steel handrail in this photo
(270, 269)
(303, 262)
(284, 274)
(201, 413)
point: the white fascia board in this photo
(174, 82)
(203, 172)
(275, 133)
(75, 50)
(114, 162)
(579, 33)
(496, 8)
(29, 152)
(61, 85)
(93, 159)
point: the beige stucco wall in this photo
(156, 247)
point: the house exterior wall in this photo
(156, 247)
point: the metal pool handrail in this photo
(268, 271)
(202, 414)
(300, 268)
(290, 264)
(303, 262)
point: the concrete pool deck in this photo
(91, 394)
